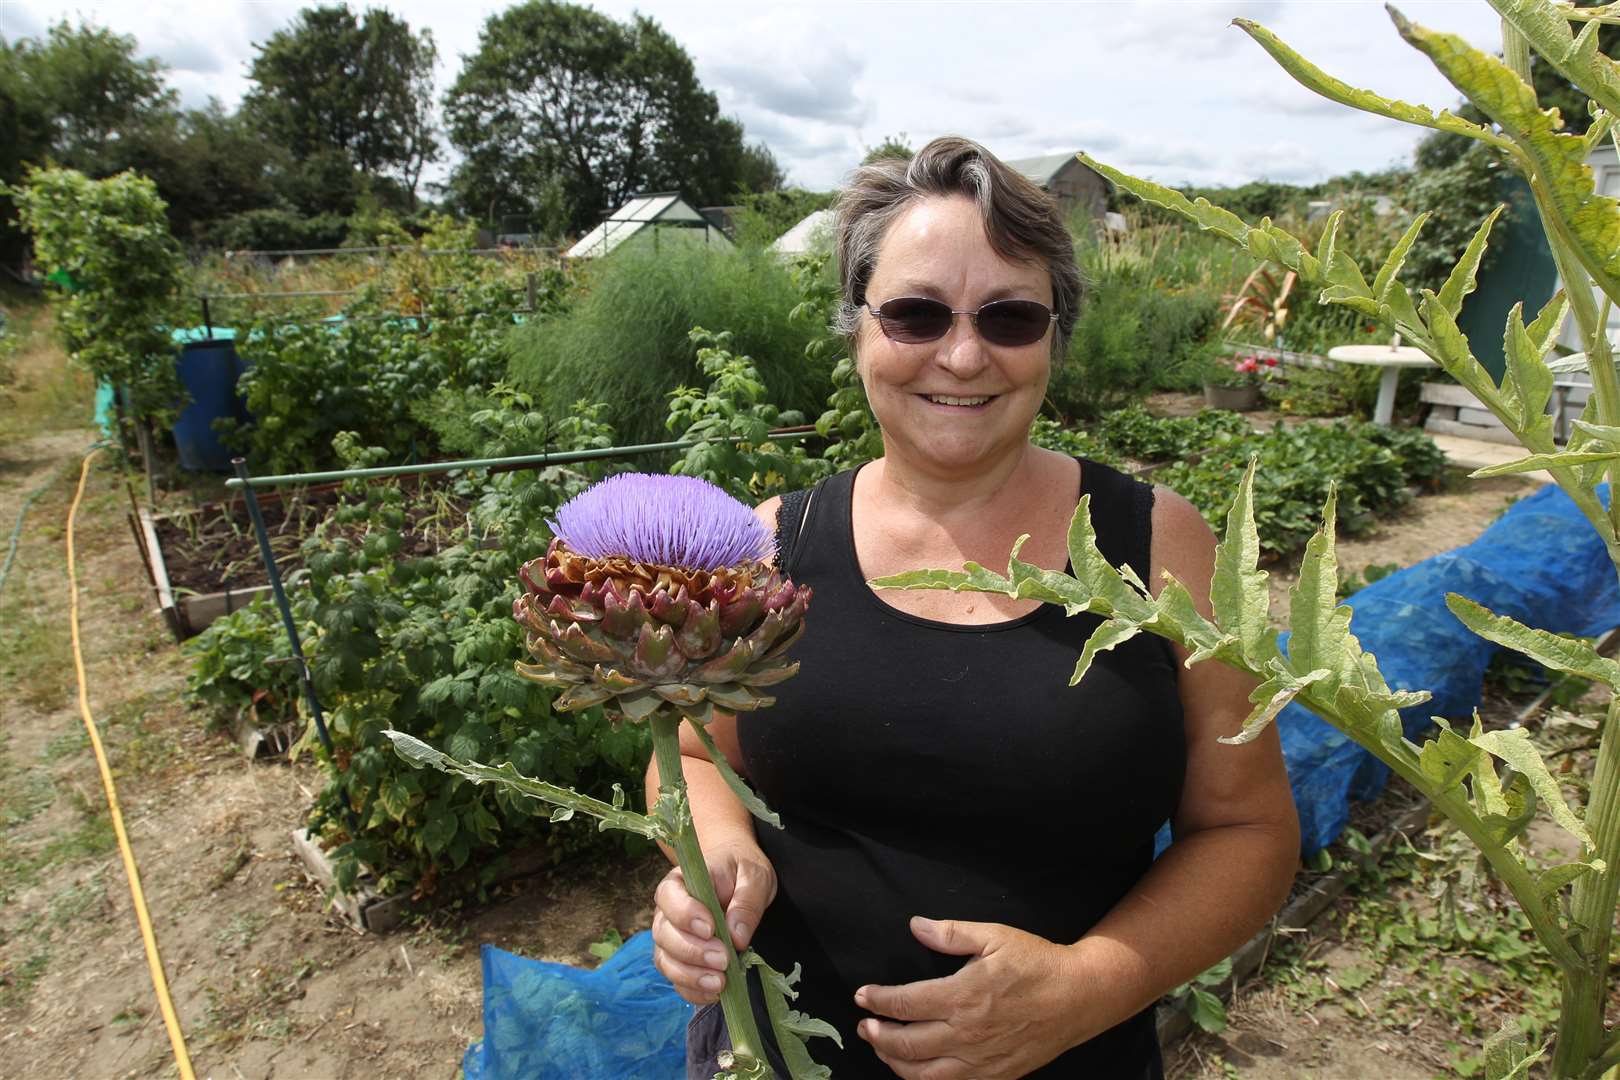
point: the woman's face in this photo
(957, 403)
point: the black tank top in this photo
(927, 768)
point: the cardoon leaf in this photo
(1315, 79)
(739, 787)
(1526, 383)
(1269, 698)
(1110, 634)
(1320, 624)
(1513, 746)
(679, 521)
(1575, 57)
(1237, 591)
(1554, 160)
(1460, 282)
(1569, 655)
(1387, 278)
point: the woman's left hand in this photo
(1016, 1005)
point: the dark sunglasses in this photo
(913, 320)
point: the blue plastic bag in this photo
(544, 1021)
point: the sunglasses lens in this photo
(1013, 322)
(914, 319)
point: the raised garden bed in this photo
(205, 563)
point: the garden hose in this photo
(16, 531)
(160, 983)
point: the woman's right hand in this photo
(685, 948)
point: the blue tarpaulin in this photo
(555, 1022)
(1540, 563)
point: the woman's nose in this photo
(962, 351)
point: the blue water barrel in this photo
(208, 372)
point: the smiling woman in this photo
(923, 755)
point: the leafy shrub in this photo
(1137, 433)
(764, 216)
(1372, 466)
(231, 664)
(272, 229)
(111, 239)
(730, 422)
(1075, 442)
(1132, 339)
(625, 339)
(424, 644)
(309, 381)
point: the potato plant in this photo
(1488, 783)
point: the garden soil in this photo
(268, 983)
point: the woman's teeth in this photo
(946, 399)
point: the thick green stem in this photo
(677, 814)
(1516, 51)
(1580, 1029)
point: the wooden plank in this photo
(204, 609)
(1480, 417)
(1470, 431)
(1448, 394)
(160, 578)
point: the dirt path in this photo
(266, 983)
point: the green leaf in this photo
(438, 830)
(1551, 880)
(1546, 27)
(1562, 459)
(1315, 79)
(1569, 655)
(1387, 278)
(1111, 633)
(1270, 697)
(1320, 624)
(1207, 1011)
(789, 1026)
(1526, 384)
(1460, 282)
(1554, 161)
(739, 787)
(1237, 591)
(1513, 746)
(1448, 347)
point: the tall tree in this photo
(336, 85)
(78, 96)
(561, 97)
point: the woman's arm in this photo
(684, 945)
(1020, 1000)
(1236, 831)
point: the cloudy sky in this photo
(1163, 88)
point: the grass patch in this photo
(46, 391)
(17, 981)
(36, 660)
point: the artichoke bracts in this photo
(631, 636)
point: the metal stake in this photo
(280, 594)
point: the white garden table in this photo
(1392, 359)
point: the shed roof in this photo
(635, 216)
(1042, 170)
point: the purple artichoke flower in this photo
(678, 521)
(655, 593)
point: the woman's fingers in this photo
(680, 907)
(687, 948)
(755, 889)
(696, 983)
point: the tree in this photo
(559, 96)
(334, 87)
(79, 96)
(892, 146)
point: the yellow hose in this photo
(177, 1039)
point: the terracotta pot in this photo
(1233, 398)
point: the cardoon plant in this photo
(656, 601)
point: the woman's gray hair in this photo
(1020, 220)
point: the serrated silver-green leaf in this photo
(1562, 459)
(1269, 698)
(1237, 591)
(1448, 347)
(1513, 746)
(1551, 880)
(1387, 278)
(1526, 384)
(1460, 282)
(1554, 160)
(1112, 633)
(1546, 27)
(739, 787)
(1320, 624)
(1097, 575)
(1569, 655)
(1318, 81)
